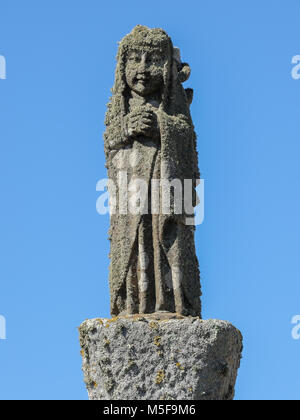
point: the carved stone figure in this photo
(150, 142)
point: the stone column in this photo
(160, 357)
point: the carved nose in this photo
(143, 64)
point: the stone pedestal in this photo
(160, 357)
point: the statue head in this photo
(148, 64)
(144, 62)
(148, 60)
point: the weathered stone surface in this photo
(157, 347)
(144, 357)
(151, 157)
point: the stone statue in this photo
(168, 352)
(149, 142)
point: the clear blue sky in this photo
(54, 249)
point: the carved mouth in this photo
(142, 78)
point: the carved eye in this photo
(134, 58)
(157, 59)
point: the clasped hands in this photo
(142, 122)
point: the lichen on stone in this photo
(160, 376)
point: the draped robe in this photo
(160, 244)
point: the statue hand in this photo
(142, 122)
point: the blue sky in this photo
(60, 59)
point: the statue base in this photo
(160, 357)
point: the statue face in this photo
(144, 71)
